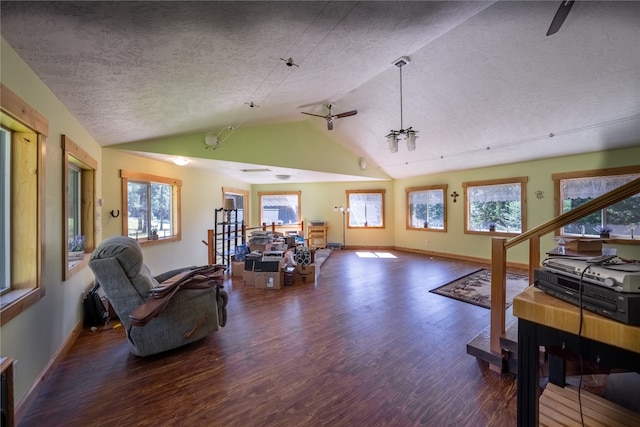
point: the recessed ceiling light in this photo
(180, 161)
(256, 170)
(283, 177)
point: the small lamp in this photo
(229, 205)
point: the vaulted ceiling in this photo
(484, 84)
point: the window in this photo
(495, 206)
(427, 208)
(577, 188)
(280, 208)
(240, 198)
(79, 210)
(365, 208)
(23, 191)
(152, 204)
(5, 213)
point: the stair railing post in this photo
(498, 296)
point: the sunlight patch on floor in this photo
(375, 255)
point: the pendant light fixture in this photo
(392, 137)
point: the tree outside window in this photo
(426, 208)
(495, 206)
(577, 188)
(152, 207)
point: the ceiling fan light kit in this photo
(392, 137)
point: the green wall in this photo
(538, 210)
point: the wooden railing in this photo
(499, 246)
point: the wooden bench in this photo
(559, 406)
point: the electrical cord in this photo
(595, 261)
(579, 342)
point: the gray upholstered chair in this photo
(191, 314)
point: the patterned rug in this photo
(475, 288)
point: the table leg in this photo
(528, 361)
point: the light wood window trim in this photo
(244, 193)
(557, 177)
(25, 122)
(523, 202)
(280, 193)
(380, 191)
(74, 154)
(444, 188)
(176, 186)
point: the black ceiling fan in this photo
(561, 15)
(330, 117)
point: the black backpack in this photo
(95, 313)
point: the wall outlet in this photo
(426, 243)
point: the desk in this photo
(546, 320)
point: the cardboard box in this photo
(249, 278)
(305, 274)
(237, 268)
(261, 248)
(269, 280)
(584, 245)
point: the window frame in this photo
(382, 193)
(521, 180)
(444, 189)
(5, 211)
(28, 149)
(176, 189)
(592, 173)
(298, 194)
(75, 157)
(245, 200)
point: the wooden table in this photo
(549, 321)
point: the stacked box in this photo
(237, 268)
(269, 280)
(305, 274)
(249, 278)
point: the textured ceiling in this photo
(484, 85)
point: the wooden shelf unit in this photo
(317, 236)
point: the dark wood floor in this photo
(366, 345)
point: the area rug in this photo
(475, 288)
(321, 256)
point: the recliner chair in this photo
(191, 314)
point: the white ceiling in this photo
(484, 86)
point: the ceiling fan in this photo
(561, 15)
(330, 117)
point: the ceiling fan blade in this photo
(561, 15)
(315, 115)
(346, 114)
(330, 124)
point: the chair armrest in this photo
(169, 274)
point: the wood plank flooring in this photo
(367, 344)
